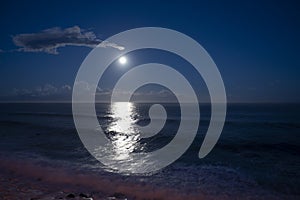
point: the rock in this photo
(83, 195)
(70, 195)
(119, 195)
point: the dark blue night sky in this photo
(255, 44)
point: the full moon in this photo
(123, 60)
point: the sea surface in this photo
(256, 155)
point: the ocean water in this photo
(256, 155)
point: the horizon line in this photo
(236, 102)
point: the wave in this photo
(49, 114)
(13, 123)
(35, 126)
(274, 124)
(175, 119)
(260, 147)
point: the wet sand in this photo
(21, 180)
(14, 186)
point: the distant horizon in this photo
(171, 102)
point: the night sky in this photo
(255, 44)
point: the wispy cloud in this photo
(43, 91)
(50, 40)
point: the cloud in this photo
(43, 91)
(63, 93)
(50, 40)
(87, 87)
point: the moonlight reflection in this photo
(122, 130)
